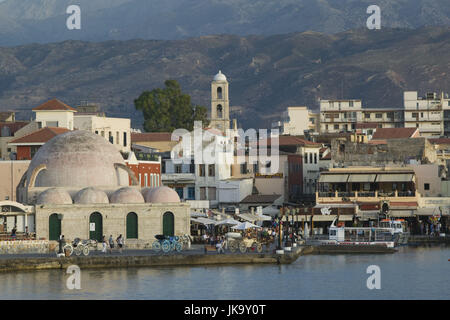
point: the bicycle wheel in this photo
(259, 248)
(69, 248)
(166, 246)
(78, 250)
(156, 246)
(178, 247)
(85, 250)
(242, 247)
(233, 246)
(172, 245)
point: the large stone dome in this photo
(127, 195)
(162, 194)
(78, 159)
(54, 196)
(90, 196)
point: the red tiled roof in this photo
(151, 137)
(393, 133)
(13, 126)
(439, 140)
(41, 136)
(294, 141)
(54, 105)
(366, 125)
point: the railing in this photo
(366, 194)
(346, 194)
(406, 194)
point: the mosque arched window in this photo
(132, 225)
(168, 224)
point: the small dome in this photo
(90, 195)
(162, 195)
(220, 77)
(146, 191)
(127, 195)
(54, 196)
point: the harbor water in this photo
(411, 273)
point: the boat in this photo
(401, 234)
(357, 236)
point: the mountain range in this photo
(266, 73)
(44, 21)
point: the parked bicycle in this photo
(167, 244)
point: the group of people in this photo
(430, 229)
(110, 243)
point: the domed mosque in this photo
(79, 186)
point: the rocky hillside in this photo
(44, 21)
(266, 73)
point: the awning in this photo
(397, 177)
(362, 178)
(336, 205)
(370, 214)
(401, 213)
(204, 221)
(433, 211)
(333, 178)
(319, 218)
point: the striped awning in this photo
(396, 177)
(362, 178)
(333, 178)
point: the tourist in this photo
(120, 243)
(111, 244)
(60, 241)
(13, 233)
(104, 244)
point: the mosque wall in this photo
(76, 218)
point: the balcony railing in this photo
(365, 194)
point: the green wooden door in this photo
(54, 227)
(132, 226)
(168, 224)
(96, 226)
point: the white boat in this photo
(357, 236)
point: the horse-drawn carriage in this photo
(168, 243)
(235, 242)
(78, 247)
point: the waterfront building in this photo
(9, 131)
(78, 185)
(159, 141)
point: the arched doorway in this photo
(168, 224)
(96, 226)
(132, 225)
(54, 227)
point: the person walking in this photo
(104, 244)
(120, 243)
(111, 243)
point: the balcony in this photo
(178, 177)
(366, 195)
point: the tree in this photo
(168, 109)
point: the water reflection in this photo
(412, 273)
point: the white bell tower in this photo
(220, 105)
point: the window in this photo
(310, 158)
(306, 157)
(178, 168)
(326, 127)
(315, 157)
(140, 179)
(336, 127)
(96, 131)
(211, 170)
(219, 111)
(350, 103)
(202, 193)
(426, 186)
(212, 193)
(219, 93)
(415, 115)
(111, 138)
(201, 169)
(421, 114)
(180, 192)
(244, 168)
(191, 193)
(367, 115)
(145, 180)
(417, 125)
(378, 115)
(124, 139)
(52, 123)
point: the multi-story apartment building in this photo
(296, 120)
(343, 115)
(431, 114)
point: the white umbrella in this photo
(270, 211)
(227, 222)
(245, 226)
(204, 221)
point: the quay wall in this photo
(23, 264)
(24, 246)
